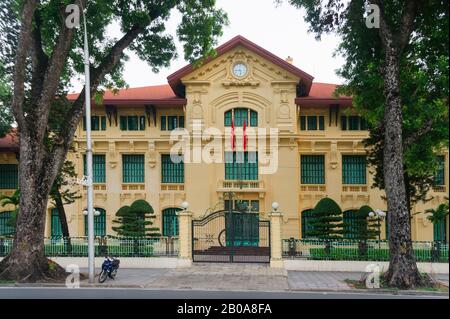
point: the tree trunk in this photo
(62, 218)
(403, 271)
(27, 261)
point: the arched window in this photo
(241, 115)
(99, 223)
(350, 224)
(55, 224)
(306, 216)
(170, 222)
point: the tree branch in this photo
(406, 25)
(427, 126)
(22, 52)
(39, 58)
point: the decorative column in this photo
(185, 236)
(276, 220)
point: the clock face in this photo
(239, 69)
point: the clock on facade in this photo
(239, 70)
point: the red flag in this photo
(245, 135)
(233, 137)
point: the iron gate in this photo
(231, 236)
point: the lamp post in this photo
(90, 190)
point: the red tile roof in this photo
(322, 94)
(10, 142)
(158, 94)
(175, 78)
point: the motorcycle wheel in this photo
(113, 274)
(102, 277)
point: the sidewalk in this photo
(236, 277)
(232, 277)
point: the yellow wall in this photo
(211, 90)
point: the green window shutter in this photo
(227, 118)
(142, 123)
(350, 224)
(354, 169)
(321, 123)
(9, 176)
(240, 115)
(56, 229)
(95, 123)
(439, 178)
(313, 169)
(103, 124)
(133, 168)
(170, 222)
(344, 123)
(133, 123)
(123, 123)
(181, 121)
(246, 170)
(98, 167)
(171, 172)
(312, 123)
(440, 230)
(163, 123)
(99, 223)
(364, 125)
(306, 216)
(5, 227)
(172, 122)
(303, 123)
(353, 123)
(253, 118)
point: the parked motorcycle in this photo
(109, 269)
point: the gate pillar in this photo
(276, 221)
(185, 234)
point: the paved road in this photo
(143, 293)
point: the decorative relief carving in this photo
(333, 155)
(112, 154)
(248, 79)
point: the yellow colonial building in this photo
(320, 150)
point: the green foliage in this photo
(438, 214)
(424, 82)
(134, 220)
(6, 118)
(326, 220)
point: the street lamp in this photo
(275, 206)
(90, 190)
(185, 205)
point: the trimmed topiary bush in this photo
(135, 220)
(326, 220)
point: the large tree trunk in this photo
(402, 272)
(27, 261)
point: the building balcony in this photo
(439, 188)
(313, 188)
(133, 187)
(241, 186)
(354, 188)
(172, 187)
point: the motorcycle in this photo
(109, 269)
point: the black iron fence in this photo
(373, 250)
(111, 246)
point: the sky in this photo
(279, 29)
